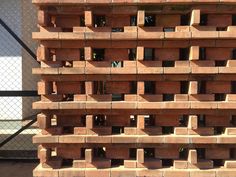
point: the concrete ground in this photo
(17, 168)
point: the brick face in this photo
(136, 88)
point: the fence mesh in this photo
(16, 76)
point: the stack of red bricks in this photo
(136, 88)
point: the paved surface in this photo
(17, 168)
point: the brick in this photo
(43, 121)
(72, 139)
(89, 173)
(195, 17)
(74, 88)
(140, 155)
(150, 164)
(225, 173)
(89, 155)
(44, 88)
(192, 122)
(230, 131)
(140, 53)
(180, 164)
(194, 53)
(44, 155)
(193, 87)
(42, 54)
(175, 173)
(192, 156)
(43, 18)
(88, 18)
(217, 153)
(130, 163)
(141, 18)
(42, 139)
(202, 174)
(71, 172)
(123, 173)
(229, 164)
(149, 173)
(47, 172)
(89, 121)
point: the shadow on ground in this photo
(17, 168)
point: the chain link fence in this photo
(17, 84)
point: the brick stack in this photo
(134, 88)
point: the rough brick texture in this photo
(136, 88)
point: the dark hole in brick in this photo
(117, 30)
(149, 54)
(99, 120)
(183, 54)
(201, 153)
(132, 54)
(117, 64)
(68, 97)
(81, 54)
(202, 53)
(168, 97)
(117, 129)
(201, 120)
(185, 20)
(149, 121)
(232, 153)
(118, 97)
(99, 152)
(183, 121)
(133, 87)
(233, 87)
(67, 29)
(67, 162)
(83, 120)
(183, 153)
(218, 130)
(220, 96)
(149, 153)
(167, 162)
(169, 29)
(82, 88)
(132, 153)
(220, 63)
(184, 87)
(82, 21)
(99, 20)
(98, 54)
(149, 87)
(133, 121)
(221, 28)
(203, 19)
(234, 19)
(117, 162)
(150, 20)
(168, 63)
(82, 152)
(98, 87)
(166, 130)
(234, 54)
(233, 120)
(218, 162)
(201, 87)
(68, 130)
(133, 20)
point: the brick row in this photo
(126, 2)
(156, 34)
